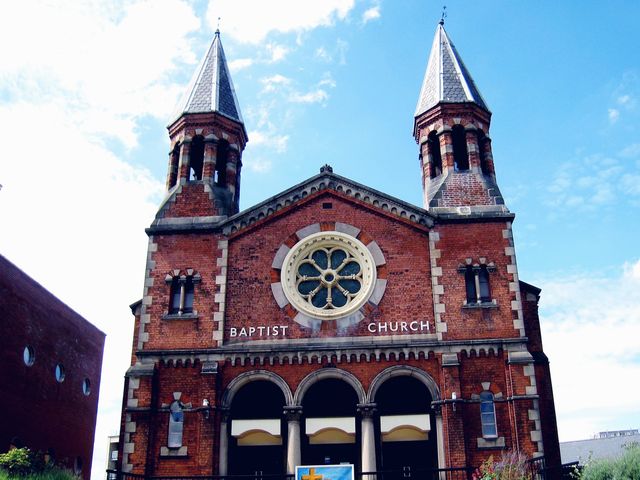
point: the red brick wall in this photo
(474, 240)
(43, 413)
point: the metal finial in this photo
(218, 27)
(444, 14)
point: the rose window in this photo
(328, 275)
(329, 278)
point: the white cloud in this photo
(316, 96)
(614, 115)
(631, 151)
(277, 52)
(274, 16)
(372, 13)
(240, 64)
(76, 214)
(591, 182)
(591, 335)
(323, 55)
(76, 76)
(274, 82)
(269, 140)
(111, 62)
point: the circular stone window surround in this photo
(298, 249)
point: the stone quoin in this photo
(333, 323)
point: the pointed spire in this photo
(446, 80)
(211, 88)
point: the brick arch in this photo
(403, 371)
(241, 380)
(324, 374)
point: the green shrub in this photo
(17, 462)
(626, 467)
(23, 464)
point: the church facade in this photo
(333, 323)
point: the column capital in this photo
(292, 414)
(367, 410)
(225, 413)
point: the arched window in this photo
(196, 158)
(175, 161)
(460, 156)
(488, 415)
(477, 283)
(175, 294)
(188, 295)
(482, 146)
(221, 163)
(433, 143)
(470, 284)
(483, 283)
(182, 291)
(176, 425)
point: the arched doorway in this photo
(331, 433)
(406, 429)
(257, 430)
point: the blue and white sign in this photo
(324, 472)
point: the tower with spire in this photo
(451, 126)
(207, 136)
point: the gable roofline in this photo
(326, 180)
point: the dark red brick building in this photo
(332, 322)
(50, 364)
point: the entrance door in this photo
(330, 432)
(407, 430)
(257, 430)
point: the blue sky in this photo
(87, 87)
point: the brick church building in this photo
(333, 323)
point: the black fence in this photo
(537, 469)
(464, 473)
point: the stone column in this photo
(473, 153)
(172, 172)
(209, 162)
(183, 169)
(437, 412)
(446, 149)
(223, 458)
(369, 464)
(293, 415)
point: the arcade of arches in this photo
(330, 419)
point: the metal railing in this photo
(461, 473)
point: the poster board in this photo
(324, 472)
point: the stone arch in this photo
(241, 380)
(323, 374)
(403, 371)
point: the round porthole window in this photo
(86, 387)
(29, 356)
(328, 275)
(59, 373)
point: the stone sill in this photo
(490, 443)
(178, 316)
(173, 452)
(470, 306)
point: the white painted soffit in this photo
(315, 425)
(391, 422)
(268, 425)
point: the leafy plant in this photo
(511, 466)
(17, 462)
(626, 467)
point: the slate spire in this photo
(446, 80)
(211, 88)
